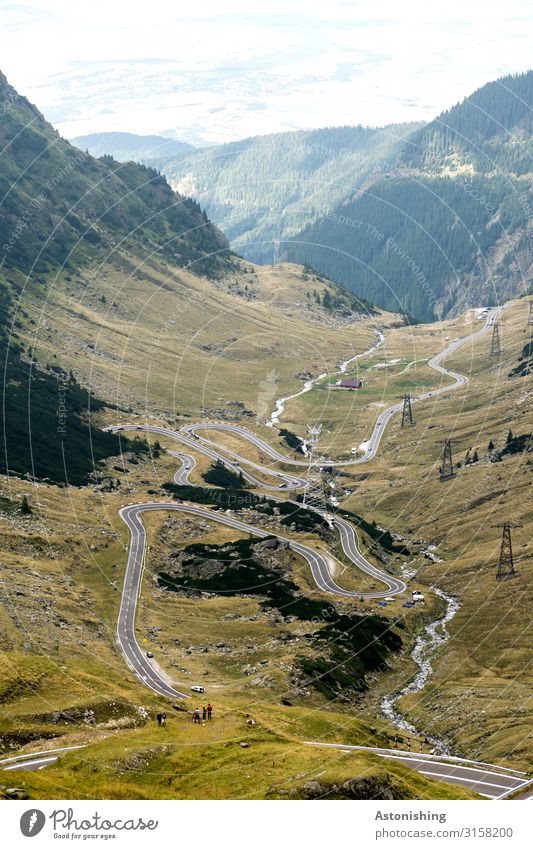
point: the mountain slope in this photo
(266, 188)
(110, 275)
(449, 226)
(490, 130)
(61, 206)
(126, 147)
(426, 219)
(61, 211)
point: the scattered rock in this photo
(13, 792)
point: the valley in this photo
(164, 526)
(422, 219)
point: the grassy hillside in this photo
(485, 665)
(112, 284)
(153, 339)
(63, 212)
(62, 681)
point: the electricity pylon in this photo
(407, 413)
(530, 315)
(312, 442)
(446, 470)
(495, 344)
(505, 563)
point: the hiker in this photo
(163, 719)
(209, 711)
(159, 718)
(196, 715)
(204, 713)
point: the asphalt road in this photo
(34, 761)
(489, 780)
(318, 562)
(383, 419)
(214, 452)
(136, 657)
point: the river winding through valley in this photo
(433, 636)
(308, 385)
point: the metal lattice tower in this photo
(505, 564)
(407, 413)
(312, 441)
(446, 470)
(495, 344)
(530, 315)
(276, 244)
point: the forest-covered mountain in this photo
(61, 205)
(62, 210)
(127, 147)
(492, 130)
(450, 225)
(264, 189)
(428, 218)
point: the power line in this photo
(506, 563)
(312, 442)
(495, 344)
(407, 413)
(446, 470)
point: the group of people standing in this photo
(197, 715)
(207, 713)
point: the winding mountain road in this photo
(372, 444)
(135, 657)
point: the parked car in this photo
(198, 689)
(149, 654)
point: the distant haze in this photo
(207, 73)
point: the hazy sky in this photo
(207, 71)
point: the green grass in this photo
(208, 762)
